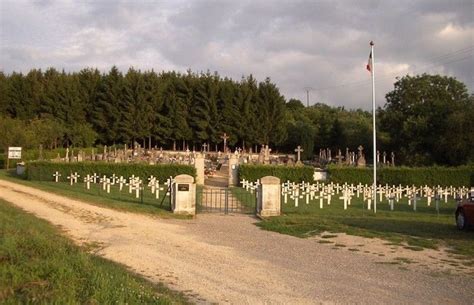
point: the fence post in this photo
(226, 202)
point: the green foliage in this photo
(271, 114)
(426, 120)
(292, 174)
(44, 170)
(419, 176)
(39, 266)
(429, 119)
(14, 133)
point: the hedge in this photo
(419, 176)
(285, 173)
(44, 170)
(33, 154)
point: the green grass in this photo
(424, 228)
(119, 200)
(39, 266)
(247, 199)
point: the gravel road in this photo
(227, 259)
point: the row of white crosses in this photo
(250, 186)
(135, 184)
(308, 192)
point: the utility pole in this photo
(307, 89)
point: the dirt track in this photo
(227, 259)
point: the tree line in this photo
(174, 110)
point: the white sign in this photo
(14, 152)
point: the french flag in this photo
(369, 64)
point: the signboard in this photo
(14, 152)
(183, 187)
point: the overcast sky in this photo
(319, 44)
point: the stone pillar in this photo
(183, 195)
(199, 165)
(233, 170)
(269, 197)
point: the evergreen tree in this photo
(271, 114)
(228, 110)
(204, 118)
(106, 113)
(89, 81)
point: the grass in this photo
(118, 200)
(425, 228)
(37, 265)
(247, 199)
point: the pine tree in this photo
(106, 113)
(89, 81)
(271, 111)
(230, 119)
(204, 118)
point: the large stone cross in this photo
(225, 137)
(299, 150)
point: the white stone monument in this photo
(199, 165)
(183, 199)
(269, 199)
(233, 170)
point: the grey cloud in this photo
(297, 43)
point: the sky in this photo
(317, 46)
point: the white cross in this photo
(346, 196)
(103, 181)
(135, 186)
(113, 179)
(73, 178)
(87, 180)
(157, 189)
(299, 150)
(108, 183)
(296, 196)
(95, 177)
(445, 193)
(121, 181)
(56, 176)
(152, 184)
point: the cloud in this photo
(323, 45)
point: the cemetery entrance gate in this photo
(230, 200)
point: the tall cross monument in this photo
(225, 137)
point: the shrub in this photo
(431, 176)
(44, 170)
(293, 174)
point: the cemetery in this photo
(311, 198)
(146, 177)
(132, 172)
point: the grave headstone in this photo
(361, 159)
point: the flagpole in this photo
(373, 126)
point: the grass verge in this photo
(37, 265)
(147, 203)
(423, 228)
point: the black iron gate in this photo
(225, 200)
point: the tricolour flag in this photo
(369, 64)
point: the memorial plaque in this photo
(183, 187)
